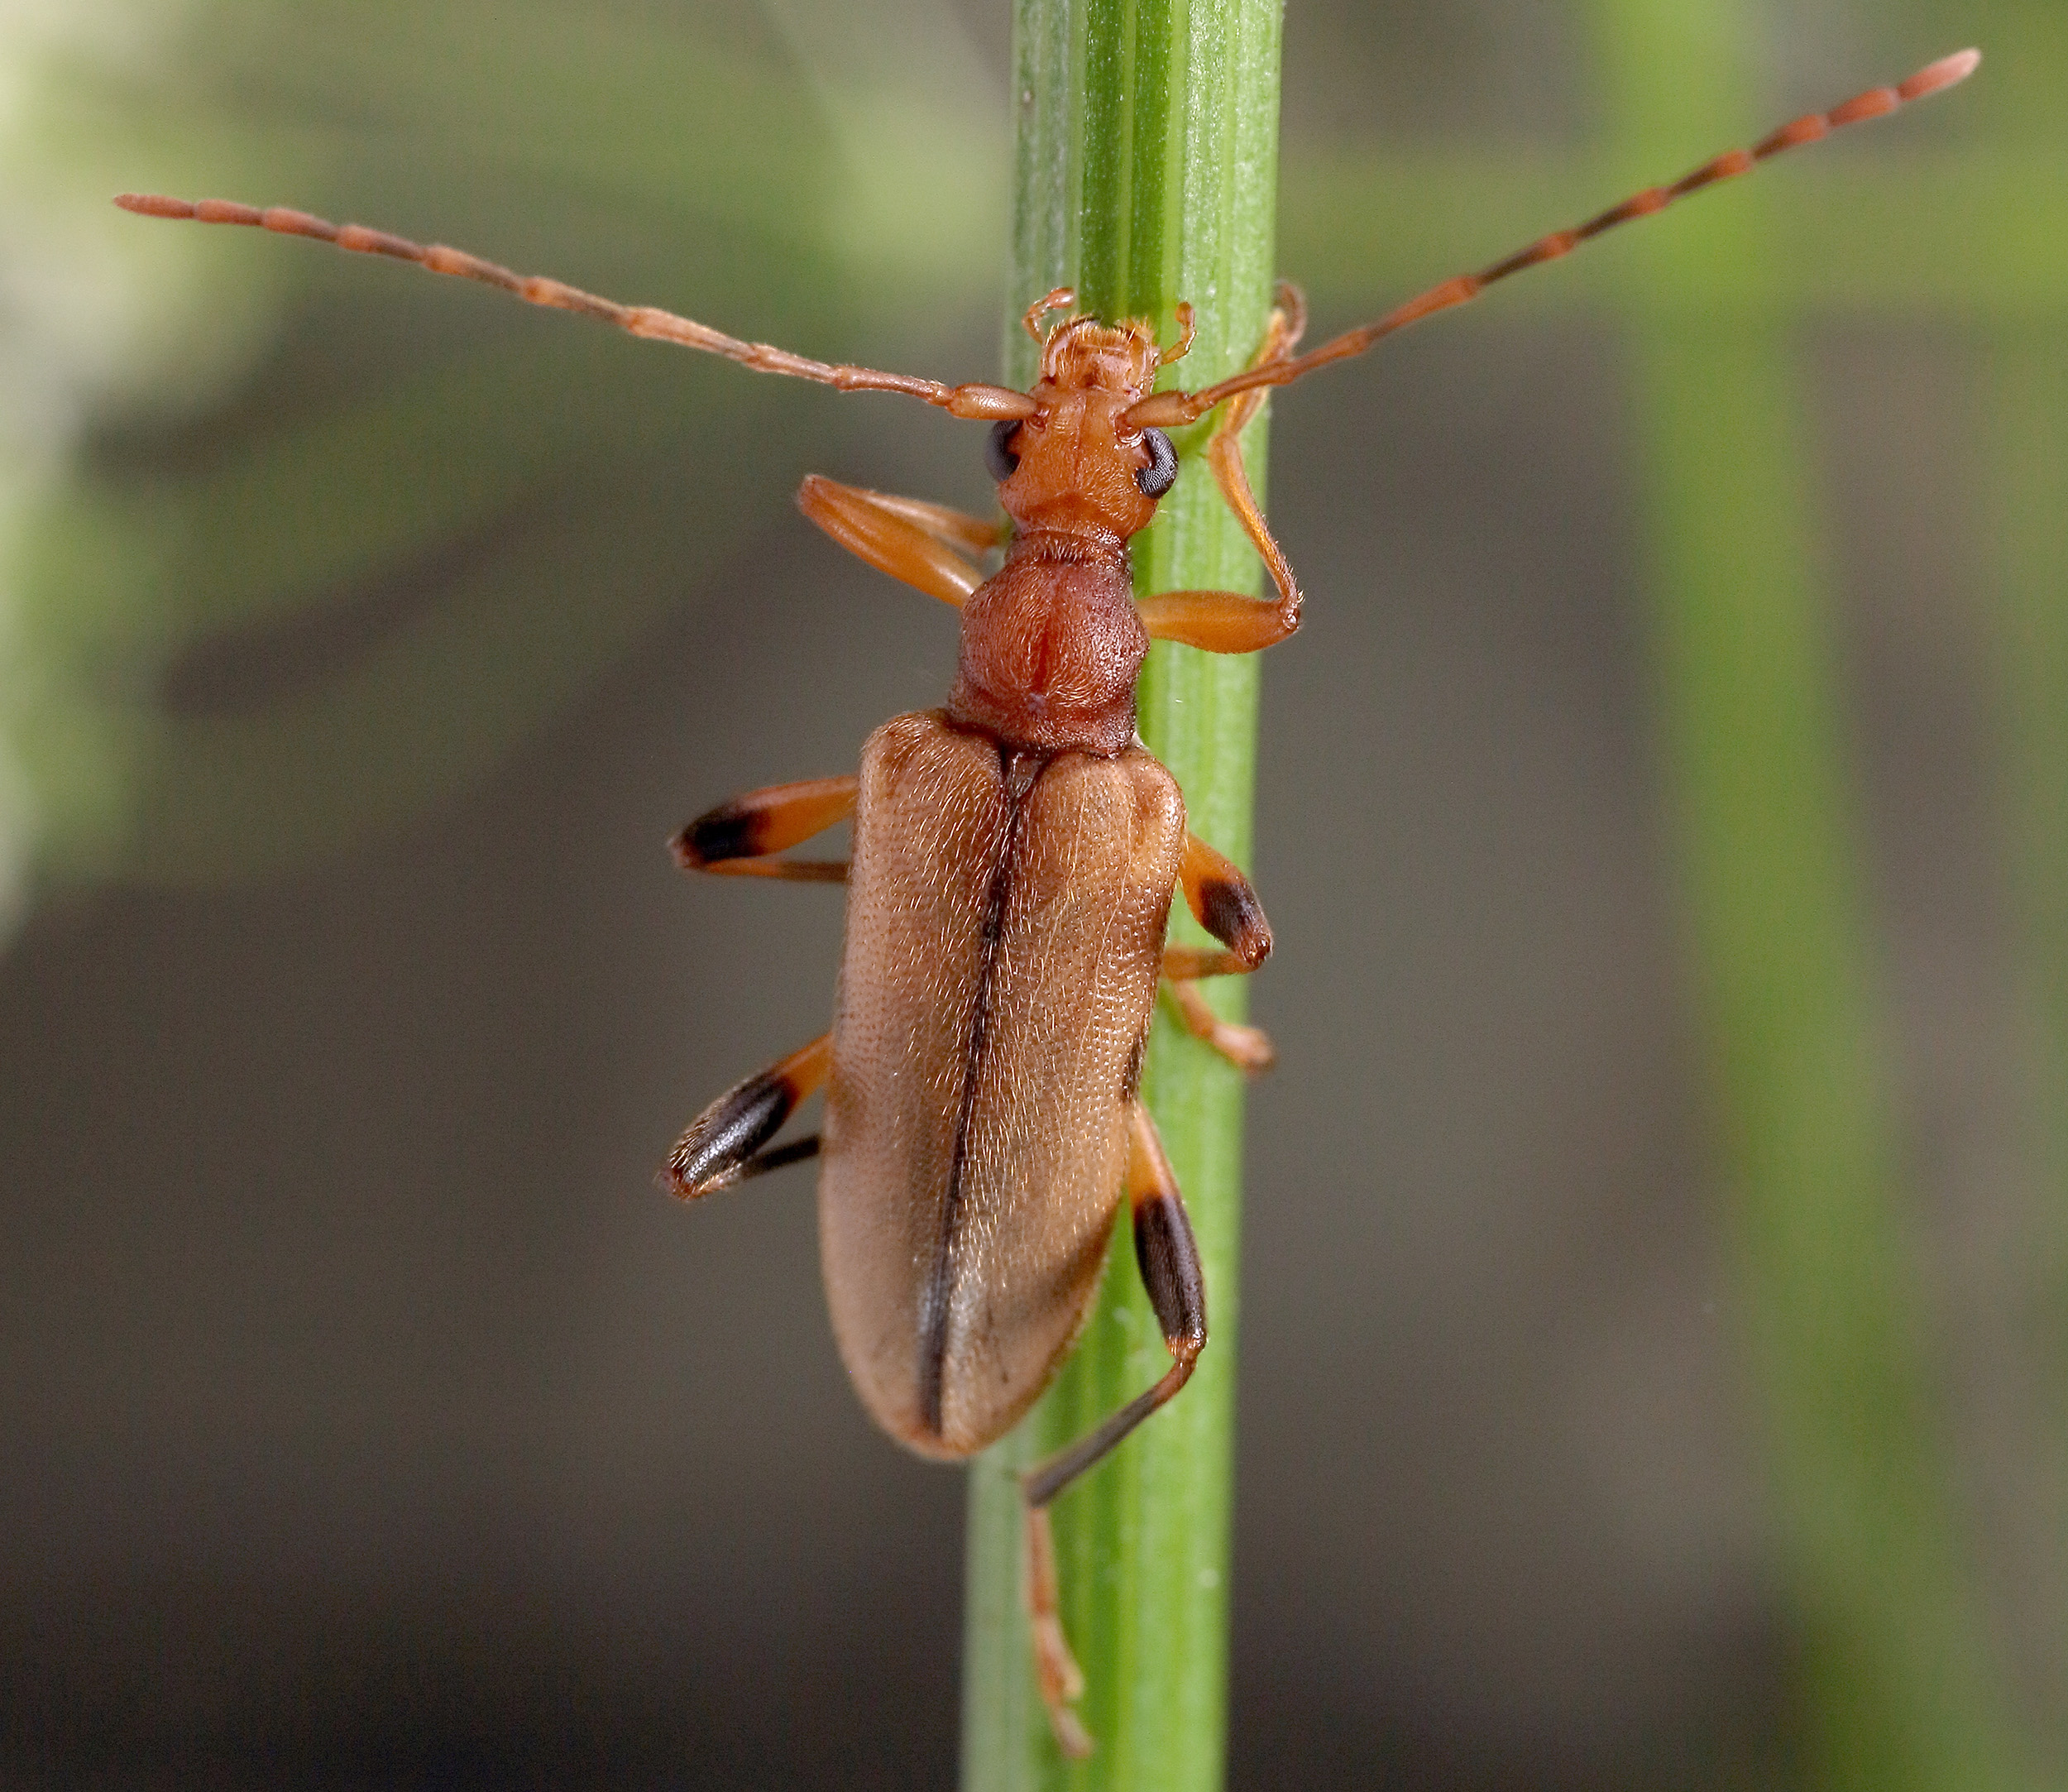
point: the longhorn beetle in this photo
(1015, 857)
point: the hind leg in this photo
(723, 1143)
(1169, 1260)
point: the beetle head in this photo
(1075, 463)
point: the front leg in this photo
(1226, 621)
(908, 538)
(725, 1144)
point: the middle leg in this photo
(742, 837)
(1227, 907)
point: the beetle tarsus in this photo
(1057, 1672)
(1248, 1048)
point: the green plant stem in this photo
(1145, 174)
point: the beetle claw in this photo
(1249, 1049)
(1062, 1684)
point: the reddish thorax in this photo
(1051, 646)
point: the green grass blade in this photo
(1890, 1673)
(1145, 174)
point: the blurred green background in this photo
(1653, 1300)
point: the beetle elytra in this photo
(1016, 854)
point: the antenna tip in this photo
(153, 205)
(1944, 72)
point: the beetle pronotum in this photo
(1015, 858)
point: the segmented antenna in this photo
(987, 402)
(1164, 409)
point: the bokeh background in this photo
(1653, 1304)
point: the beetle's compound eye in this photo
(998, 450)
(1161, 473)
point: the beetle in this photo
(1015, 856)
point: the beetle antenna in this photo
(1166, 408)
(987, 402)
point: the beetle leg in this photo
(1222, 901)
(741, 837)
(1169, 1260)
(908, 538)
(1169, 1264)
(723, 1144)
(1226, 621)
(1186, 964)
(1249, 1049)
(1055, 1670)
(1221, 897)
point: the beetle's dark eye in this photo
(997, 451)
(1161, 473)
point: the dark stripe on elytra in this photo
(1130, 1082)
(728, 832)
(935, 1305)
(1169, 1261)
(1231, 912)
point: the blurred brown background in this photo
(370, 1420)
